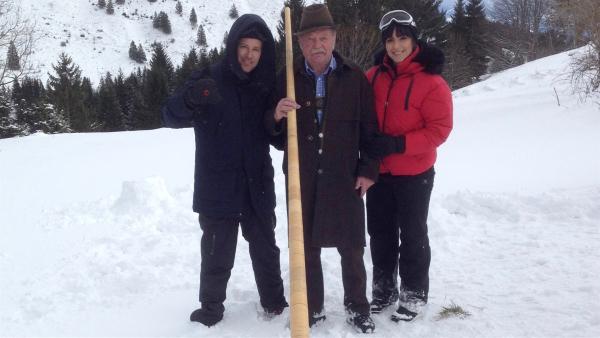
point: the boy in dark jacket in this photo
(233, 180)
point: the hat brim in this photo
(313, 29)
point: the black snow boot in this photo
(206, 316)
(380, 302)
(410, 305)
(271, 312)
(361, 322)
(316, 319)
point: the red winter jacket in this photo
(413, 102)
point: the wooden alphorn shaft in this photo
(299, 304)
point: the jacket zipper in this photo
(212, 245)
(387, 100)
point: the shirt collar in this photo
(332, 66)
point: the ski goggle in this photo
(398, 16)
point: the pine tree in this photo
(23, 116)
(157, 86)
(193, 17)
(64, 91)
(137, 53)
(225, 37)
(459, 18)
(9, 126)
(110, 9)
(101, 3)
(135, 102)
(33, 111)
(457, 70)
(121, 92)
(54, 121)
(203, 61)
(89, 105)
(179, 8)
(477, 39)
(164, 23)
(129, 111)
(12, 57)
(296, 7)
(30, 91)
(233, 12)
(156, 21)
(201, 38)
(358, 36)
(215, 55)
(109, 110)
(189, 64)
(141, 54)
(133, 52)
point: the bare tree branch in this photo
(14, 28)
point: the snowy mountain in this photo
(99, 42)
(97, 236)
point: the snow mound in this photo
(147, 196)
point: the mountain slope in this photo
(99, 42)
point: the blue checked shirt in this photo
(321, 88)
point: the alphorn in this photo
(298, 300)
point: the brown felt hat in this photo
(315, 17)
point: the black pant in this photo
(218, 246)
(354, 278)
(397, 208)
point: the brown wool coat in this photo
(332, 211)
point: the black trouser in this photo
(354, 278)
(218, 246)
(397, 208)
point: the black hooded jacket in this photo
(233, 167)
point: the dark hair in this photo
(401, 30)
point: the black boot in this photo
(316, 318)
(271, 312)
(208, 315)
(380, 302)
(361, 323)
(410, 305)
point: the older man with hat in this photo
(336, 121)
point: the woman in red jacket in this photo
(414, 111)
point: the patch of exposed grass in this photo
(452, 311)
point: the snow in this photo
(97, 236)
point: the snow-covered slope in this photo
(99, 42)
(97, 237)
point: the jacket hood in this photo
(431, 58)
(265, 70)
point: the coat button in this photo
(307, 104)
(310, 138)
(320, 135)
(320, 171)
(320, 151)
